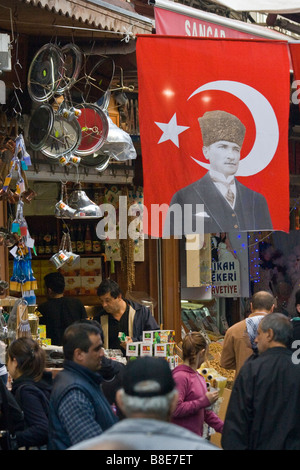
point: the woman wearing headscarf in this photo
(251, 331)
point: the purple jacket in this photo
(191, 411)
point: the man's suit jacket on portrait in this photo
(249, 213)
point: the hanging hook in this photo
(18, 87)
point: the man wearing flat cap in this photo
(225, 204)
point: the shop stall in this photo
(71, 159)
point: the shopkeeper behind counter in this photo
(121, 315)
(58, 312)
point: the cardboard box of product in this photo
(173, 361)
(70, 270)
(46, 341)
(42, 331)
(216, 437)
(133, 349)
(159, 336)
(164, 336)
(148, 336)
(89, 284)
(72, 285)
(90, 266)
(164, 349)
(146, 349)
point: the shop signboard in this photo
(226, 278)
(225, 267)
(170, 22)
(181, 20)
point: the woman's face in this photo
(12, 367)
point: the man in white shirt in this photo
(225, 204)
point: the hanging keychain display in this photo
(22, 278)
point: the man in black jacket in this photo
(121, 315)
(58, 312)
(263, 411)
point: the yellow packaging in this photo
(213, 379)
(46, 341)
(42, 331)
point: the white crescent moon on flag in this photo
(267, 130)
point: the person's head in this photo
(110, 296)
(54, 283)
(25, 357)
(82, 343)
(223, 135)
(274, 330)
(96, 324)
(263, 301)
(148, 389)
(194, 349)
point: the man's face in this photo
(92, 359)
(262, 340)
(110, 304)
(223, 156)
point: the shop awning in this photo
(93, 18)
(178, 19)
(265, 6)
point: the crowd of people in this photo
(97, 403)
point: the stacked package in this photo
(158, 343)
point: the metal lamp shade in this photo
(118, 144)
(84, 206)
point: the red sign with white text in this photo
(174, 23)
(181, 79)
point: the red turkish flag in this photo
(182, 78)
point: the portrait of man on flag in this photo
(214, 134)
(228, 205)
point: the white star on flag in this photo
(171, 130)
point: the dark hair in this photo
(192, 344)
(96, 324)
(281, 327)
(55, 281)
(30, 357)
(76, 336)
(262, 300)
(109, 286)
